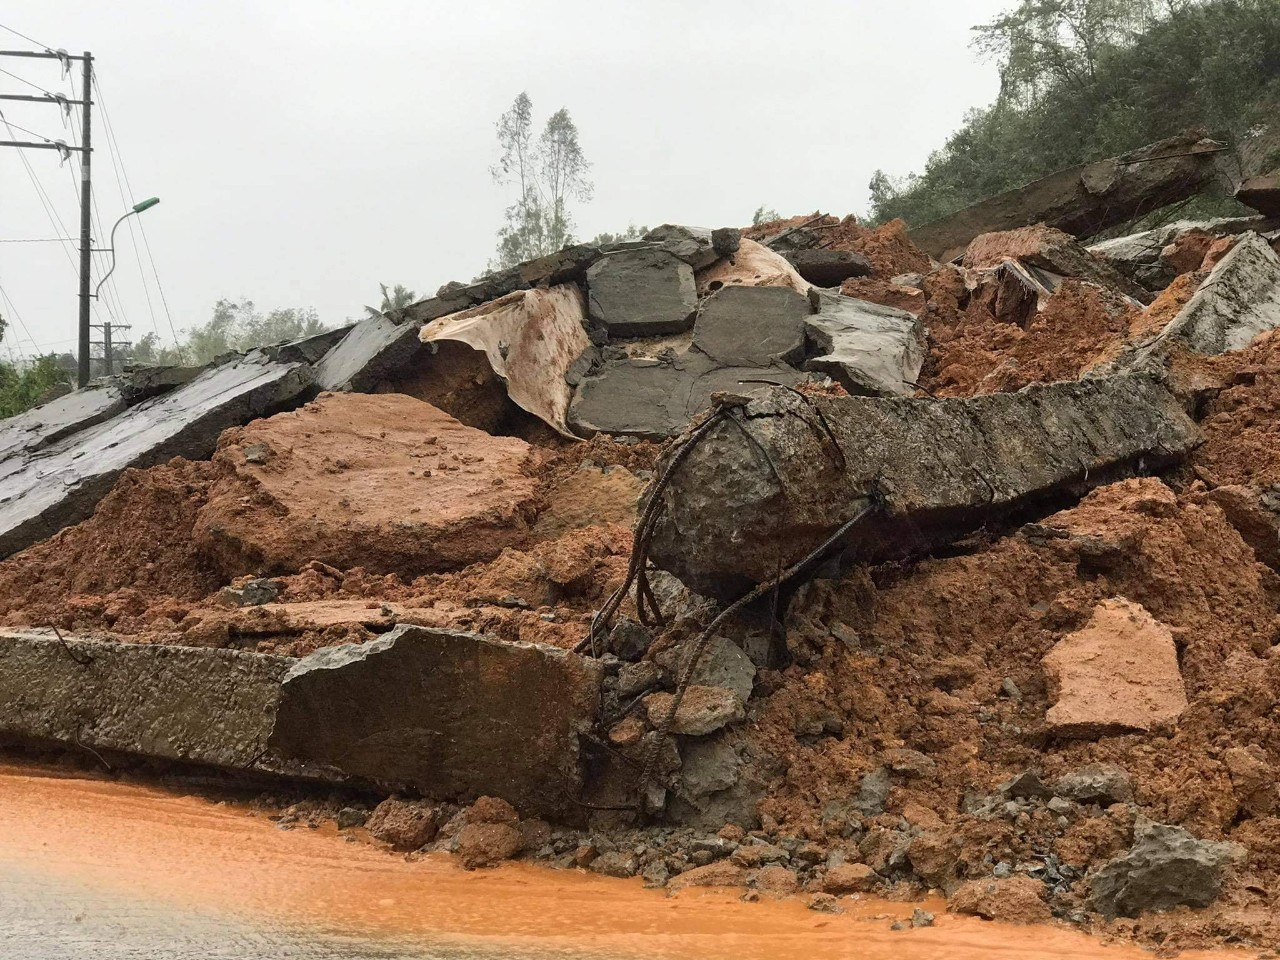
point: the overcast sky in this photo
(305, 151)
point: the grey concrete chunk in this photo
(709, 766)
(722, 664)
(642, 293)
(931, 469)
(64, 482)
(1261, 193)
(453, 715)
(693, 245)
(173, 703)
(752, 326)
(1138, 255)
(869, 349)
(373, 351)
(655, 398)
(1239, 300)
(829, 268)
(1100, 783)
(1166, 867)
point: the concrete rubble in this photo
(543, 566)
(771, 488)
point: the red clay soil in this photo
(886, 246)
(971, 351)
(916, 658)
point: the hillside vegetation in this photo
(1086, 79)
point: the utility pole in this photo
(86, 237)
(86, 230)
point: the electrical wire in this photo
(30, 133)
(21, 323)
(24, 37)
(36, 86)
(142, 229)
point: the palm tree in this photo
(397, 298)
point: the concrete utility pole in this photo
(86, 237)
(86, 231)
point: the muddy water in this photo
(90, 868)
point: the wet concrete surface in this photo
(120, 871)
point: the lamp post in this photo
(106, 325)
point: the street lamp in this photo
(136, 208)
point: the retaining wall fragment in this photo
(738, 509)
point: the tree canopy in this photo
(236, 325)
(1086, 79)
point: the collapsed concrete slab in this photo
(869, 349)
(829, 268)
(1239, 300)
(931, 470)
(655, 397)
(530, 339)
(697, 246)
(44, 425)
(1118, 674)
(452, 715)
(187, 704)
(382, 481)
(374, 351)
(642, 293)
(752, 326)
(1083, 200)
(61, 484)
(1261, 193)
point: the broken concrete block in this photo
(530, 338)
(752, 265)
(693, 245)
(1054, 251)
(1166, 867)
(1119, 674)
(374, 351)
(722, 664)
(703, 710)
(63, 484)
(867, 348)
(829, 268)
(737, 507)
(1256, 516)
(654, 398)
(641, 293)
(1083, 200)
(1239, 300)
(1261, 193)
(1139, 256)
(187, 704)
(752, 326)
(382, 481)
(708, 766)
(453, 715)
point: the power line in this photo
(30, 133)
(17, 316)
(24, 37)
(47, 93)
(111, 138)
(36, 240)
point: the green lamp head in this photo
(145, 204)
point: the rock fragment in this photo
(1100, 783)
(703, 710)
(752, 326)
(1119, 674)
(829, 268)
(404, 824)
(1017, 899)
(1166, 867)
(1262, 193)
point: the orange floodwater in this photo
(119, 851)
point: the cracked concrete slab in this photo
(61, 484)
(867, 348)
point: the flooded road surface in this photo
(108, 871)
